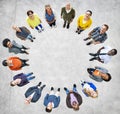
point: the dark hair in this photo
(29, 11)
(11, 84)
(109, 77)
(48, 110)
(115, 51)
(107, 27)
(89, 12)
(5, 41)
(4, 63)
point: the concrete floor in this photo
(59, 57)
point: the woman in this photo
(49, 16)
(84, 21)
(34, 21)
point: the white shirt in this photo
(105, 58)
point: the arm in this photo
(61, 12)
(46, 100)
(101, 69)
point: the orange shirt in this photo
(96, 73)
(17, 63)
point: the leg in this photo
(24, 52)
(64, 24)
(24, 62)
(87, 38)
(74, 88)
(68, 25)
(94, 58)
(66, 90)
(57, 93)
(89, 43)
(37, 29)
(29, 74)
(40, 26)
(30, 78)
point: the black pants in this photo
(24, 62)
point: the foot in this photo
(39, 83)
(92, 59)
(31, 40)
(52, 88)
(86, 39)
(64, 24)
(26, 52)
(65, 88)
(42, 29)
(89, 43)
(74, 85)
(92, 54)
(58, 89)
(27, 65)
(68, 25)
(43, 86)
(33, 37)
(79, 32)
(27, 60)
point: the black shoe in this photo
(92, 54)
(27, 65)
(92, 59)
(68, 25)
(76, 31)
(39, 83)
(26, 52)
(89, 43)
(86, 38)
(58, 89)
(43, 86)
(31, 40)
(64, 24)
(33, 37)
(52, 88)
(74, 85)
(65, 88)
(79, 32)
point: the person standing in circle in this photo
(68, 14)
(50, 16)
(84, 21)
(34, 21)
(73, 99)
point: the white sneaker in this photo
(42, 29)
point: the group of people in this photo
(52, 99)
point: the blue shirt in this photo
(49, 18)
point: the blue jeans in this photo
(74, 90)
(29, 77)
(29, 36)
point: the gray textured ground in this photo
(59, 57)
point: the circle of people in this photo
(52, 99)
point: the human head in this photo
(30, 13)
(106, 77)
(112, 52)
(68, 6)
(88, 12)
(27, 100)
(91, 93)
(6, 42)
(75, 106)
(48, 109)
(16, 28)
(14, 83)
(7, 63)
(4, 63)
(104, 28)
(48, 8)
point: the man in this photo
(52, 100)
(68, 14)
(14, 47)
(23, 33)
(33, 94)
(15, 63)
(22, 79)
(99, 74)
(73, 99)
(104, 54)
(97, 35)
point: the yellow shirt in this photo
(35, 22)
(82, 24)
